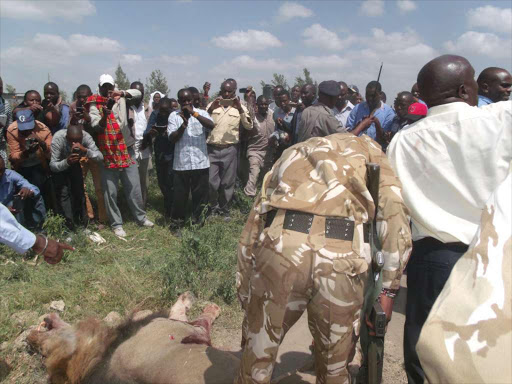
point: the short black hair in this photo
(83, 87)
(261, 97)
(374, 84)
(283, 92)
(51, 84)
(193, 89)
(138, 83)
(173, 100)
(29, 92)
(165, 100)
(183, 90)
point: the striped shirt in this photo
(190, 150)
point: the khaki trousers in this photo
(95, 169)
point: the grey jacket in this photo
(318, 120)
(61, 150)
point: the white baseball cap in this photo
(106, 79)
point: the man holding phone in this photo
(80, 116)
(228, 115)
(68, 147)
(186, 130)
(55, 110)
(116, 144)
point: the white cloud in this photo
(372, 8)
(493, 18)
(46, 10)
(332, 61)
(247, 40)
(317, 36)
(290, 10)
(45, 48)
(406, 5)
(478, 43)
(131, 59)
(178, 60)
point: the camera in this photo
(45, 103)
(110, 104)
(76, 150)
(30, 142)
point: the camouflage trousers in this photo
(292, 272)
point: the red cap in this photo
(417, 109)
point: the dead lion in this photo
(156, 349)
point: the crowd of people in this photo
(444, 148)
(200, 145)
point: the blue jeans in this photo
(428, 270)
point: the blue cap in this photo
(25, 119)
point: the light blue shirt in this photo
(483, 100)
(11, 182)
(13, 234)
(190, 151)
(385, 115)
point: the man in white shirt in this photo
(343, 106)
(186, 130)
(139, 123)
(449, 164)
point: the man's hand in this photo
(118, 94)
(35, 108)
(73, 158)
(185, 120)
(206, 88)
(215, 105)
(387, 305)
(153, 132)
(12, 210)
(280, 122)
(106, 112)
(25, 193)
(54, 250)
(82, 149)
(188, 108)
(237, 104)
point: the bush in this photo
(205, 261)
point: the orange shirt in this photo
(16, 143)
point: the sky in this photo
(74, 42)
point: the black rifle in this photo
(373, 345)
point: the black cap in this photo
(329, 88)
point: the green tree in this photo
(121, 78)
(306, 80)
(10, 89)
(156, 82)
(278, 79)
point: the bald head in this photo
(74, 134)
(448, 79)
(495, 83)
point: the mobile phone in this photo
(79, 109)
(76, 150)
(186, 113)
(3, 120)
(226, 102)
(17, 203)
(293, 105)
(45, 103)
(110, 104)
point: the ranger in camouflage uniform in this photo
(468, 333)
(305, 246)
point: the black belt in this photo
(339, 228)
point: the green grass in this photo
(148, 271)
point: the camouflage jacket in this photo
(468, 333)
(327, 176)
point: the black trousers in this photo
(164, 155)
(69, 189)
(186, 182)
(428, 270)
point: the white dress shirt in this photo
(139, 126)
(449, 164)
(342, 115)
